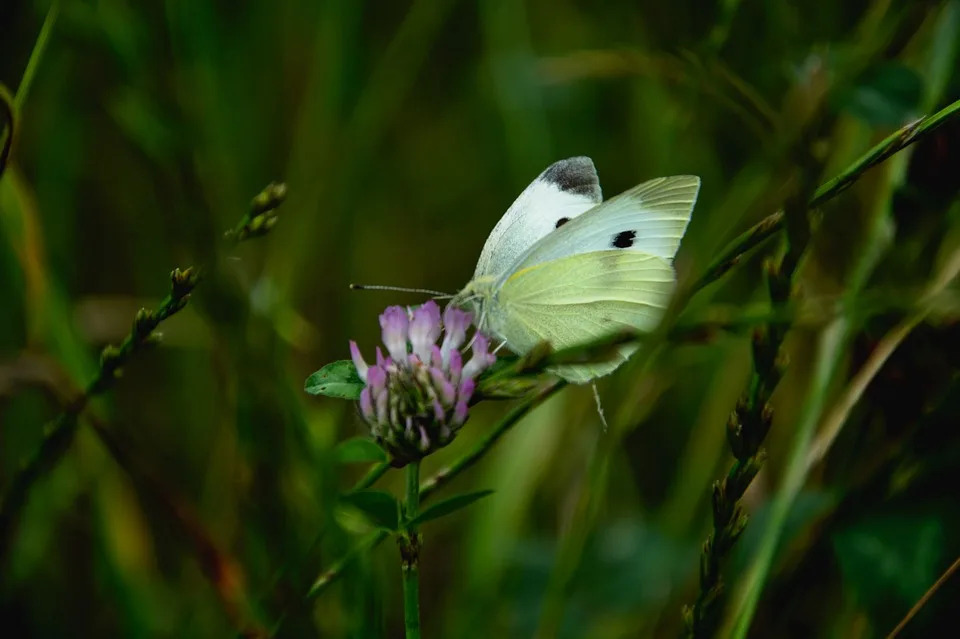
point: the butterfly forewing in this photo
(562, 267)
(649, 218)
(563, 191)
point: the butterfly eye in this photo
(624, 239)
(562, 221)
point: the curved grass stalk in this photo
(61, 431)
(824, 369)
(8, 126)
(750, 422)
(770, 225)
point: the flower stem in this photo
(426, 489)
(410, 556)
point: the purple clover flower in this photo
(415, 400)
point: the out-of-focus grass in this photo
(403, 131)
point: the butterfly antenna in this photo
(596, 398)
(438, 295)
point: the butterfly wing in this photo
(563, 191)
(650, 218)
(580, 298)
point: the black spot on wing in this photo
(575, 175)
(562, 221)
(624, 239)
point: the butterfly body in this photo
(563, 266)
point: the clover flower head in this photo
(416, 399)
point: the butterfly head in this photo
(474, 297)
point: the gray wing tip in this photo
(575, 175)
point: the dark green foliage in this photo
(380, 507)
(197, 487)
(887, 95)
(889, 560)
(360, 449)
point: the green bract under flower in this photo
(415, 399)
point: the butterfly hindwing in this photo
(563, 191)
(649, 218)
(579, 298)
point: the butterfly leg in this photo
(478, 330)
(469, 343)
(596, 398)
(497, 349)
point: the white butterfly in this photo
(564, 267)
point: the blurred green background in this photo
(403, 131)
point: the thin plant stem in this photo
(39, 48)
(824, 368)
(60, 433)
(336, 569)
(831, 424)
(8, 126)
(368, 542)
(797, 466)
(370, 478)
(954, 567)
(410, 555)
(431, 485)
(413, 491)
(221, 568)
(12, 105)
(769, 226)
(444, 475)
(427, 488)
(749, 423)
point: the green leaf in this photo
(890, 559)
(447, 506)
(359, 450)
(380, 507)
(337, 379)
